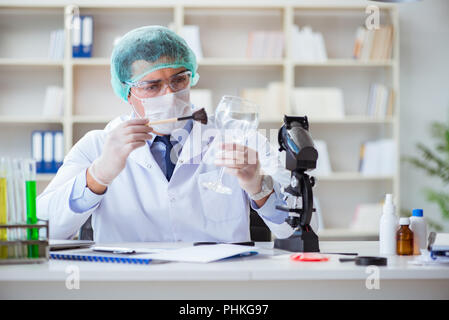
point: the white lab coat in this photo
(141, 205)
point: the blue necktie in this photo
(169, 165)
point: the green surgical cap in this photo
(147, 49)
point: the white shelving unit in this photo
(90, 103)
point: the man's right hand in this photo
(120, 142)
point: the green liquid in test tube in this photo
(29, 167)
(33, 234)
(3, 207)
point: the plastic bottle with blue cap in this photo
(418, 225)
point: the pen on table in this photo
(114, 250)
(342, 253)
(246, 243)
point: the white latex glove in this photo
(120, 142)
(242, 162)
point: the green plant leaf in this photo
(435, 163)
(434, 225)
(441, 199)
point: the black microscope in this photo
(301, 155)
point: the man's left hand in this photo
(242, 162)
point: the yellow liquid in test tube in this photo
(3, 218)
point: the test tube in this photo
(29, 176)
(3, 208)
(20, 204)
(12, 234)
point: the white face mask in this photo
(171, 105)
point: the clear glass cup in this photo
(235, 118)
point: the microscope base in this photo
(300, 241)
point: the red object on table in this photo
(309, 256)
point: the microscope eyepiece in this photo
(296, 140)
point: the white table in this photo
(269, 275)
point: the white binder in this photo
(37, 150)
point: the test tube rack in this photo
(42, 243)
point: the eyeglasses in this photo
(152, 88)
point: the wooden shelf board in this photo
(346, 120)
(352, 176)
(37, 119)
(345, 63)
(240, 62)
(31, 62)
(90, 61)
(254, 62)
(91, 119)
(45, 177)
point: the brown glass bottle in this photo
(404, 238)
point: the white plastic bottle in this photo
(388, 227)
(419, 227)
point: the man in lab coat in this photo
(146, 183)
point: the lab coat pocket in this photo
(219, 207)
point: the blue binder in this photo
(82, 37)
(88, 255)
(48, 155)
(58, 150)
(47, 148)
(76, 37)
(86, 36)
(37, 150)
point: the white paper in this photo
(191, 34)
(203, 253)
(271, 100)
(426, 259)
(441, 242)
(379, 158)
(308, 46)
(323, 165)
(274, 109)
(319, 102)
(53, 102)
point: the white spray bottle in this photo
(388, 227)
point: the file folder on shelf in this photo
(76, 37)
(37, 150)
(87, 36)
(58, 149)
(47, 148)
(48, 151)
(82, 37)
